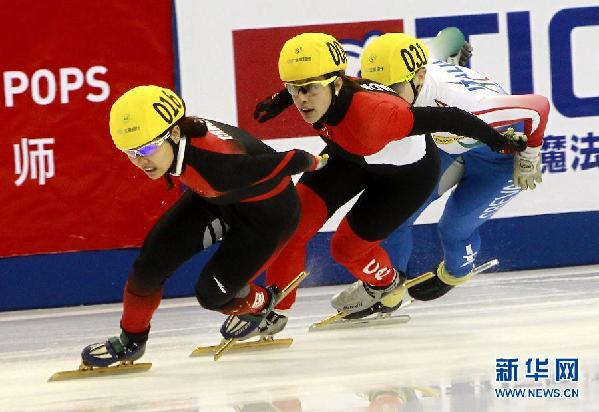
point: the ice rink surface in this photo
(444, 359)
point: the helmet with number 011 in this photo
(393, 58)
(142, 114)
(311, 55)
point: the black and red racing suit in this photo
(379, 148)
(240, 191)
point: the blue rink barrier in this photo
(85, 278)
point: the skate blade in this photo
(227, 344)
(380, 320)
(90, 372)
(485, 266)
(261, 344)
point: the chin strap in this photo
(331, 106)
(414, 91)
(339, 104)
(173, 166)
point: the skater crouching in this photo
(380, 150)
(239, 190)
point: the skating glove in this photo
(527, 168)
(461, 57)
(322, 161)
(514, 142)
(272, 106)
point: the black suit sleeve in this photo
(456, 121)
(226, 172)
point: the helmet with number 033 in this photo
(142, 114)
(393, 58)
(311, 55)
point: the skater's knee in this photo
(213, 297)
(210, 301)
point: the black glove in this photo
(514, 142)
(272, 106)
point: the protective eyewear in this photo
(148, 149)
(308, 88)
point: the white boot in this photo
(360, 296)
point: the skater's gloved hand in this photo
(527, 168)
(461, 57)
(272, 106)
(514, 142)
(321, 161)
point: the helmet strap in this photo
(175, 147)
(414, 91)
(173, 166)
(337, 108)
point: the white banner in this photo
(543, 47)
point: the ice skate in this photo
(115, 356)
(238, 329)
(357, 303)
(442, 282)
(385, 309)
(358, 299)
(389, 303)
(115, 349)
(245, 327)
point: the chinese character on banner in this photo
(34, 160)
(566, 369)
(586, 147)
(540, 370)
(507, 370)
(553, 157)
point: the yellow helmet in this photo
(393, 58)
(310, 55)
(142, 114)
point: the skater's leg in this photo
(189, 226)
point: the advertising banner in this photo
(543, 48)
(63, 184)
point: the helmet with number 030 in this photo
(311, 55)
(393, 58)
(142, 114)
